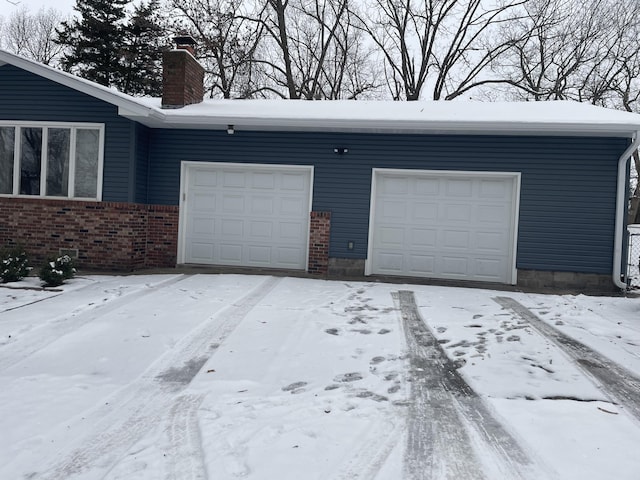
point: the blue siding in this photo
(29, 97)
(567, 205)
(142, 163)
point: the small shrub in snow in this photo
(14, 265)
(55, 272)
(65, 263)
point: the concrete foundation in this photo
(584, 282)
(346, 267)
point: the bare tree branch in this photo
(32, 34)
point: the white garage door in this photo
(245, 215)
(447, 225)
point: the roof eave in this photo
(160, 120)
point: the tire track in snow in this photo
(610, 377)
(40, 337)
(185, 455)
(442, 408)
(33, 302)
(133, 411)
(377, 444)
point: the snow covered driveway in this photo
(230, 376)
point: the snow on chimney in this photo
(182, 75)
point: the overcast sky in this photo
(8, 6)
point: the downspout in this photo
(621, 210)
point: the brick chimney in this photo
(182, 75)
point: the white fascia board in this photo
(213, 122)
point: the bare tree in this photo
(313, 51)
(32, 35)
(569, 50)
(228, 36)
(445, 45)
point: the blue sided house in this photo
(529, 194)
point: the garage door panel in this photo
(202, 251)
(202, 226)
(421, 265)
(293, 182)
(395, 186)
(260, 230)
(291, 231)
(259, 254)
(290, 256)
(231, 253)
(443, 225)
(421, 211)
(422, 238)
(492, 213)
(291, 206)
(263, 180)
(456, 239)
(233, 179)
(426, 186)
(394, 209)
(456, 213)
(262, 205)
(205, 178)
(391, 237)
(204, 202)
(490, 242)
(489, 269)
(459, 188)
(494, 189)
(246, 215)
(233, 204)
(232, 228)
(391, 263)
(455, 266)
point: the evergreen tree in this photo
(107, 46)
(144, 40)
(94, 41)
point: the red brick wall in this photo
(319, 230)
(182, 79)
(162, 236)
(108, 235)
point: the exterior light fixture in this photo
(230, 129)
(340, 150)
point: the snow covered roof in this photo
(557, 117)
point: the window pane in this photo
(58, 162)
(30, 160)
(7, 146)
(87, 144)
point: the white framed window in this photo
(52, 160)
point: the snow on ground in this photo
(232, 376)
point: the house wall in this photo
(567, 205)
(568, 183)
(28, 97)
(106, 235)
(115, 234)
